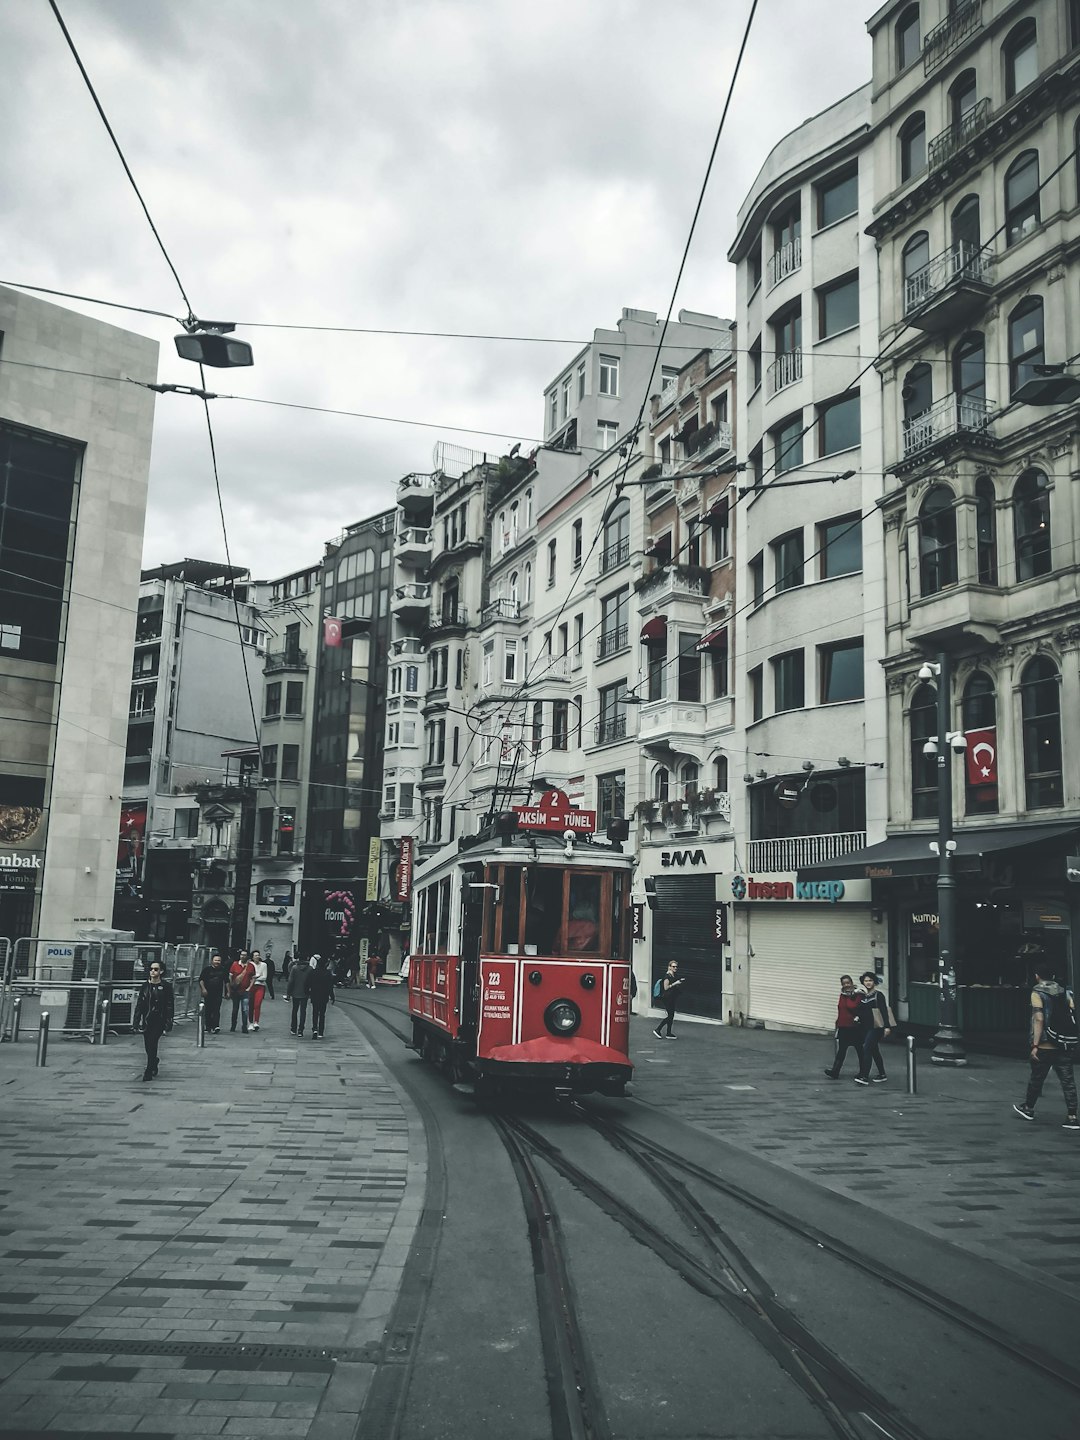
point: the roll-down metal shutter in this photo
(684, 923)
(798, 959)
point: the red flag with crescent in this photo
(982, 756)
(331, 630)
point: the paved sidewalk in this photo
(953, 1159)
(189, 1256)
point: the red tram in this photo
(520, 973)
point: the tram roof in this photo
(525, 847)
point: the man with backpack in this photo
(665, 994)
(1053, 1041)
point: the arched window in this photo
(986, 529)
(1040, 704)
(514, 523)
(616, 535)
(1025, 341)
(916, 257)
(908, 40)
(661, 783)
(689, 778)
(720, 776)
(965, 228)
(969, 381)
(504, 531)
(514, 588)
(913, 146)
(1022, 212)
(1031, 526)
(937, 541)
(963, 97)
(1021, 55)
(526, 593)
(979, 712)
(918, 395)
(924, 787)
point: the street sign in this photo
(555, 813)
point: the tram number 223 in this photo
(494, 978)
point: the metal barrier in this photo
(6, 995)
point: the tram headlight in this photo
(562, 1017)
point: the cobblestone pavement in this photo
(953, 1159)
(211, 1253)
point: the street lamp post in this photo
(948, 1041)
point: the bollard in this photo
(912, 1077)
(103, 1031)
(43, 1039)
(16, 1015)
(200, 1026)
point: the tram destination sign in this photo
(555, 813)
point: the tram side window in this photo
(442, 945)
(427, 919)
(543, 911)
(583, 927)
(510, 901)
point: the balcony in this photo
(448, 617)
(612, 641)
(943, 39)
(799, 851)
(670, 583)
(958, 615)
(715, 439)
(294, 659)
(610, 729)
(615, 554)
(668, 393)
(949, 291)
(411, 602)
(949, 422)
(501, 609)
(784, 371)
(148, 627)
(674, 724)
(784, 262)
(416, 494)
(412, 547)
(142, 710)
(409, 645)
(960, 133)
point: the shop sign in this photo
(555, 813)
(747, 888)
(275, 892)
(720, 930)
(1044, 915)
(374, 855)
(637, 922)
(403, 887)
(682, 857)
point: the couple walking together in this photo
(863, 1019)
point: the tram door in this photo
(472, 924)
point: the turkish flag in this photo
(331, 631)
(982, 756)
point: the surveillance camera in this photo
(958, 743)
(569, 836)
(926, 672)
(808, 765)
(929, 748)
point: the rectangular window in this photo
(612, 724)
(755, 363)
(718, 409)
(840, 546)
(576, 545)
(290, 762)
(581, 382)
(509, 659)
(566, 385)
(614, 622)
(689, 667)
(560, 724)
(294, 697)
(839, 426)
(553, 410)
(757, 702)
(607, 433)
(841, 672)
(838, 306)
(718, 667)
(579, 636)
(406, 792)
(610, 797)
(186, 823)
(788, 445)
(757, 578)
(753, 267)
(488, 666)
(609, 375)
(837, 197)
(269, 762)
(455, 746)
(789, 681)
(272, 698)
(657, 662)
(788, 561)
(264, 832)
(286, 839)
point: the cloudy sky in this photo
(448, 165)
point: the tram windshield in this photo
(549, 910)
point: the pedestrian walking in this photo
(378, 950)
(271, 976)
(320, 993)
(241, 977)
(212, 989)
(296, 991)
(258, 987)
(665, 993)
(1053, 1043)
(848, 1028)
(154, 1015)
(286, 961)
(876, 1022)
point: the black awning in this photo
(910, 854)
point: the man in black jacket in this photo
(212, 988)
(154, 1015)
(320, 989)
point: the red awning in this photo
(715, 639)
(654, 631)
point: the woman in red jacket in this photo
(848, 1028)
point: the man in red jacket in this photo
(241, 979)
(848, 1029)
